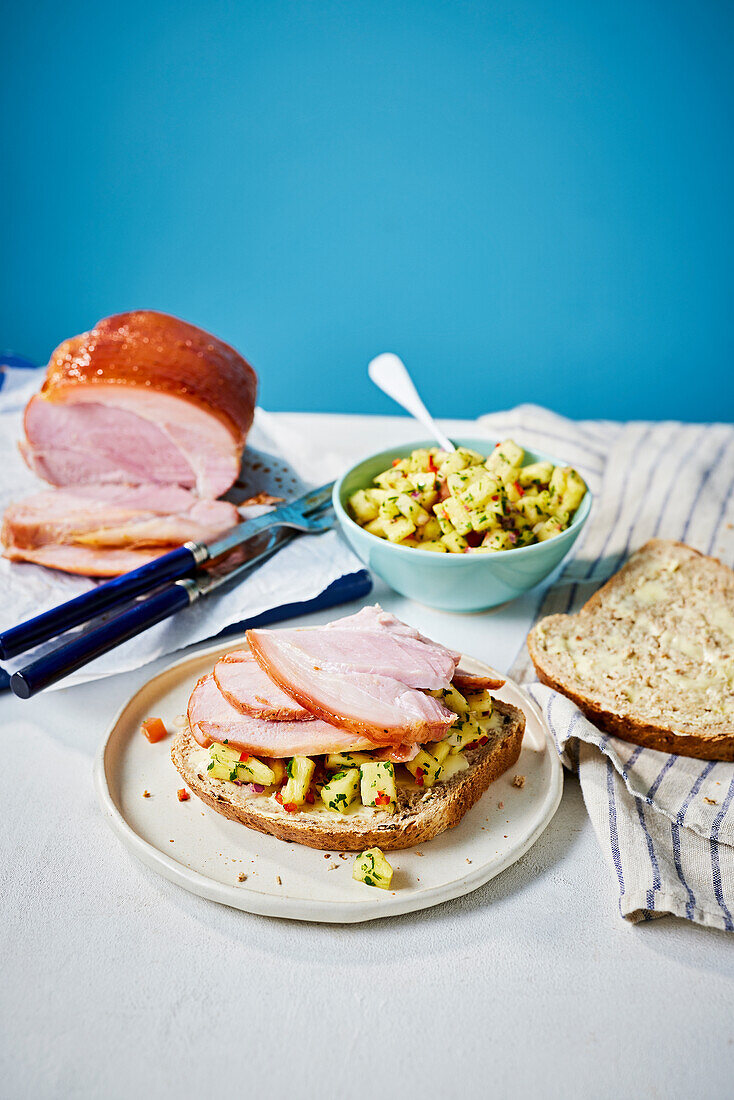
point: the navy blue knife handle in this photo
(68, 658)
(169, 567)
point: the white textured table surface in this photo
(117, 984)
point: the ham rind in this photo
(465, 681)
(246, 687)
(142, 397)
(374, 706)
(73, 529)
(212, 718)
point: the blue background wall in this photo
(527, 200)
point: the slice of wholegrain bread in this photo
(420, 814)
(650, 657)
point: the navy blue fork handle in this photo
(169, 567)
(61, 662)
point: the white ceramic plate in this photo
(205, 853)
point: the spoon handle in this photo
(389, 374)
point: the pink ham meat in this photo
(102, 530)
(142, 397)
(212, 718)
(246, 687)
(367, 704)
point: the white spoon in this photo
(389, 374)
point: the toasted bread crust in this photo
(688, 735)
(419, 817)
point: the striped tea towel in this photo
(665, 822)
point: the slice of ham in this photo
(372, 705)
(345, 652)
(143, 396)
(82, 560)
(212, 718)
(374, 618)
(94, 529)
(246, 687)
(471, 681)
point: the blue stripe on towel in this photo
(715, 868)
(613, 835)
(651, 852)
(720, 520)
(714, 463)
(675, 835)
(681, 464)
(659, 777)
(612, 530)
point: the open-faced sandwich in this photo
(362, 732)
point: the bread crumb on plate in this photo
(518, 781)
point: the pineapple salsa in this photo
(462, 502)
(342, 782)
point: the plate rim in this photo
(287, 907)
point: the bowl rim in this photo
(443, 560)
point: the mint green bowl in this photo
(452, 582)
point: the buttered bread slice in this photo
(650, 657)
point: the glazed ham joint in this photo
(141, 425)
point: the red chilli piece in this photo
(419, 776)
(519, 488)
(382, 799)
(290, 807)
(154, 730)
(395, 461)
(244, 757)
(183, 794)
(279, 797)
(310, 798)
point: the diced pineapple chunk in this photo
(454, 542)
(373, 869)
(481, 490)
(277, 767)
(389, 507)
(452, 464)
(376, 527)
(483, 519)
(412, 510)
(420, 460)
(227, 763)
(431, 530)
(473, 457)
(462, 734)
(547, 530)
(426, 767)
(398, 529)
(504, 457)
(341, 790)
(536, 473)
(363, 507)
(443, 520)
(300, 771)
(457, 482)
(458, 515)
(480, 703)
(574, 491)
(424, 481)
(377, 785)
(435, 546)
(338, 760)
(497, 540)
(452, 698)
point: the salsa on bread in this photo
(464, 502)
(352, 735)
